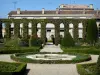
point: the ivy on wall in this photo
(34, 27)
(16, 29)
(8, 30)
(43, 22)
(25, 29)
(0, 29)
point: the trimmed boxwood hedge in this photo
(85, 50)
(11, 50)
(80, 58)
(8, 68)
(86, 69)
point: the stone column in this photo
(75, 31)
(34, 28)
(25, 29)
(57, 33)
(66, 28)
(84, 30)
(43, 32)
(8, 30)
(16, 29)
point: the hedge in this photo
(11, 50)
(85, 50)
(86, 69)
(80, 58)
(8, 68)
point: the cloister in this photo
(22, 27)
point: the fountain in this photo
(51, 57)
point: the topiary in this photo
(92, 32)
(67, 41)
(98, 66)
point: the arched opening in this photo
(71, 29)
(80, 30)
(39, 29)
(21, 29)
(61, 30)
(3, 30)
(50, 31)
(30, 29)
(12, 29)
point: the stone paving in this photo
(51, 48)
(50, 69)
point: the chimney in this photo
(91, 6)
(57, 10)
(43, 10)
(83, 11)
(97, 11)
(18, 10)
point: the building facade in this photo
(64, 11)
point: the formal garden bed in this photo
(82, 49)
(11, 50)
(8, 68)
(22, 58)
(86, 69)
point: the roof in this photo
(54, 12)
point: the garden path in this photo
(51, 48)
(50, 69)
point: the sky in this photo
(8, 5)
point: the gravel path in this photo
(51, 48)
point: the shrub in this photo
(24, 43)
(12, 43)
(11, 50)
(35, 41)
(92, 32)
(7, 68)
(82, 49)
(67, 41)
(86, 69)
(98, 66)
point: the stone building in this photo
(64, 11)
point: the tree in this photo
(67, 41)
(92, 32)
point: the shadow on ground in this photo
(27, 71)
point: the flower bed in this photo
(7, 68)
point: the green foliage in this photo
(11, 50)
(86, 69)
(82, 49)
(22, 58)
(67, 41)
(35, 41)
(98, 66)
(8, 31)
(12, 43)
(25, 29)
(7, 68)
(92, 32)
